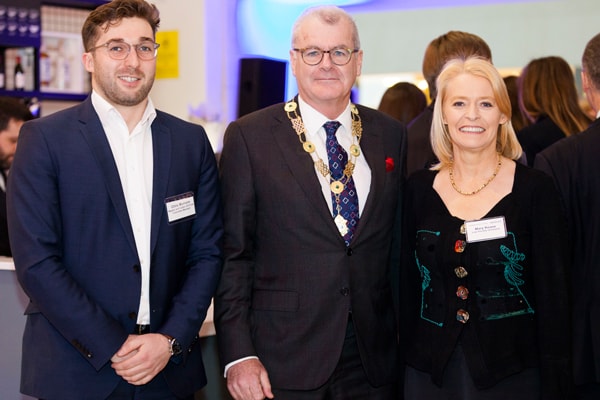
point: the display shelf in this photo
(44, 95)
(88, 4)
(60, 31)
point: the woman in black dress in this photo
(484, 274)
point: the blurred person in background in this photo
(450, 45)
(548, 98)
(403, 101)
(518, 119)
(13, 113)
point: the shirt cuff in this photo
(231, 364)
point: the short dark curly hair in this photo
(112, 13)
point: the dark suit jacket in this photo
(289, 281)
(536, 137)
(4, 240)
(420, 154)
(573, 163)
(76, 258)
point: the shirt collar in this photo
(107, 111)
(314, 120)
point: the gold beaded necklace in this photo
(336, 186)
(480, 188)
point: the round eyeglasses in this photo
(119, 50)
(338, 55)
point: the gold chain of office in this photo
(337, 186)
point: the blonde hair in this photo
(506, 139)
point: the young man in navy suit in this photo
(115, 220)
(311, 187)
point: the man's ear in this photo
(585, 80)
(88, 62)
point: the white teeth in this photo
(471, 129)
(129, 78)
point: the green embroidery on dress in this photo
(512, 275)
(426, 280)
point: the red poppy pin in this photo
(389, 164)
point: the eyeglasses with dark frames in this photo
(119, 50)
(339, 55)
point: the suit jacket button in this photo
(345, 291)
(136, 268)
(132, 315)
(349, 251)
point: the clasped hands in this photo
(141, 358)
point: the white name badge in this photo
(485, 229)
(180, 206)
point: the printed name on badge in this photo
(180, 207)
(485, 229)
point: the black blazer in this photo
(289, 281)
(573, 163)
(536, 137)
(419, 153)
(4, 239)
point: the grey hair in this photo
(330, 15)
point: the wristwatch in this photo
(174, 346)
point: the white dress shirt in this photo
(315, 133)
(132, 152)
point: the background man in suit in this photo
(114, 215)
(573, 163)
(440, 50)
(13, 114)
(304, 308)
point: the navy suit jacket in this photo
(75, 253)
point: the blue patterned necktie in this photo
(345, 205)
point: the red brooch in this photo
(389, 164)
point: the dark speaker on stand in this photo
(262, 83)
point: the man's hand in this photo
(248, 380)
(141, 358)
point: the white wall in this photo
(516, 33)
(206, 90)
(174, 94)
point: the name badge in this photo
(485, 229)
(180, 207)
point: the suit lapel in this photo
(161, 148)
(372, 147)
(301, 167)
(93, 133)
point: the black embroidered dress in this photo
(503, 300)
